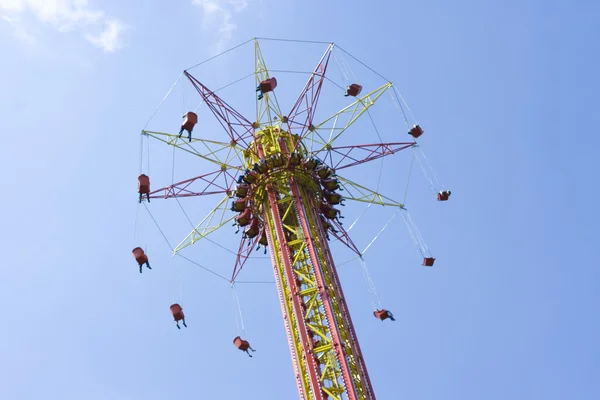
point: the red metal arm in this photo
(344, 237)
(246, 247)
(362, 153)
(232, 121)
(215, 182)
(301, 116)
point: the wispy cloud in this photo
(109, 39)
(64, 16)
(220, 13)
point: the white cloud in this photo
(64, 16)
(109, 39)
(220, 13)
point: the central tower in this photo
(289, 197)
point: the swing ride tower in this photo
(283, 194)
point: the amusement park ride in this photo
(282, 174)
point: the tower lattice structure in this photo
(287, 197)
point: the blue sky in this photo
(506, 93)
